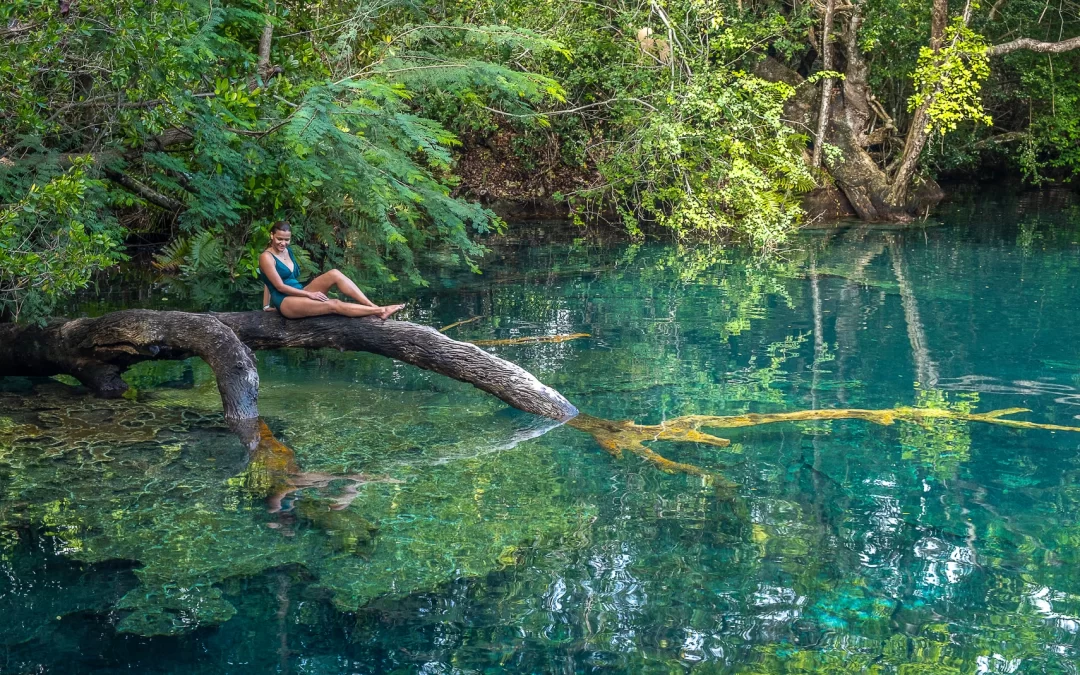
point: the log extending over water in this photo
(97, 351)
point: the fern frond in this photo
(173, 254)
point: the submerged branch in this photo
(617, 437)
(459, 323)
(532, 340)
(884, 417)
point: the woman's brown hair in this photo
(281, 226)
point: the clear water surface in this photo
(135, 537)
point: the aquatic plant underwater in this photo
(863, 514)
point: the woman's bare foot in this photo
(389, 310)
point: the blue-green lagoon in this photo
(136, 536)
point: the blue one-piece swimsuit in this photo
(288, 276)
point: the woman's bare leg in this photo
(293, 307)
(324, 282)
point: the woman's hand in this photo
(321, 297)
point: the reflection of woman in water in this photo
(282, 291)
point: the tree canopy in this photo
(194, 125)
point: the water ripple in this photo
(983, 384)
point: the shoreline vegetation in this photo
(389, 131)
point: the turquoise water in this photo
(135, 537)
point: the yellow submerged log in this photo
(617, 437)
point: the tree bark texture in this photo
(265, 40)
(97, 351)
(264, 69)
(827, 85)
(146, 192)
(873, 195)
(918, 132)
(939, 18)
(1035, 46)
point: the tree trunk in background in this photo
(97, 351)
(919, 132)
(263, 65)
(872, 193)
(827, 85)
(939, 17)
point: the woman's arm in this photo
(266, 264)
(266, 299)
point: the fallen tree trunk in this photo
(97, 351)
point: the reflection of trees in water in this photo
(926, 373)
(847, 562)
(905, 558)
(889, 609)
(169, 487)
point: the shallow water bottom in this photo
(436, 531)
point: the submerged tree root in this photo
(617, 437)
(532, 340)
(459, 323)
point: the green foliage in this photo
(1052, 146)
(352, 128)
(52, 240)
(717, 159)
(825, 74)
(672, 136)
(682, 138)
(1030, 96)
(1033, 97)
(170, 95)
(948, 82)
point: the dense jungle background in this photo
(389, 130)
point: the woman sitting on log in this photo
(282, 291)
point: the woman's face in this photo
(280, 240)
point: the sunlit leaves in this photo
(719, 159)
(948, 82)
